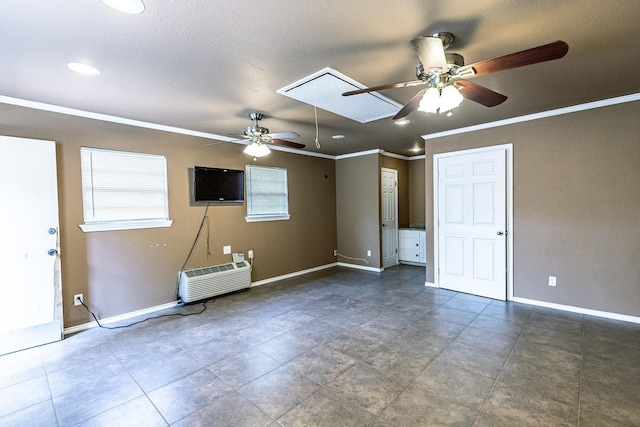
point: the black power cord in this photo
(205, 217)
(204, 307)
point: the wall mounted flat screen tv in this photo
(218, 185)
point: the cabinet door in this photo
(411, 251)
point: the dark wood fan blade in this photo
(383, 87)
(280, 135)
(410, 106)
(547, 52)
(286, 143)
(479, 94)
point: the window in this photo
(122, 190)
(267, 195)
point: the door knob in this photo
(52, 231)
(500, 233)
(52, 252)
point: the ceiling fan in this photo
(259, 136)
(445, 72)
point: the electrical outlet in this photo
(335, 252)
(78, 299)
(552, 280)
(250, 253)
(226, 250)
(369, 252)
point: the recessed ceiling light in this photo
(84, 69)
(132, 7)
(402, 122)
(338, 137)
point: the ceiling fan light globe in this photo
(262, 151)
(430, 101)
(256, 149)
(450, 98)
(251, 149)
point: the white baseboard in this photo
(130, 315)
(291, 275)
(415, 264)
(360, 267)
(125, 316)
(579, 310)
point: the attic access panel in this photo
(324, 89)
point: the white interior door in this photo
(30, 308)
(389, 197)
(471, 223)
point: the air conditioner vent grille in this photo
(206, 282)
(208, 270)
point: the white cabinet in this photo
(411, 248)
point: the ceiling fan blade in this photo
(410, 106)
(286, 143)
(479, 94)
(222, 141)
(547, 52)
(431, 53)
(279, 135)
(383, 87)
(215, 143)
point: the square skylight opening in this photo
(324, 90)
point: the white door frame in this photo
(509, 206)
(394, 172)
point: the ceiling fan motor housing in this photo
(255, 131)
(454, 61)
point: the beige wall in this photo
(416, 193)
(358, 193)
(576, 208)
(358, 204)
(576, 205)
(124, 271)
(358, 209)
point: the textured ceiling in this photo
(204, 65)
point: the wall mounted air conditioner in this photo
(206, 282)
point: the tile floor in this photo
(336, 348)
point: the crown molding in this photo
(164, 128)
(536, 116)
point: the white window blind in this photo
(267, 194)
(122, 190)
